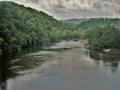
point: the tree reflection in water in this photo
(107, 60)
(11, 68)
(5, 73)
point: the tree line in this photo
(102, 33)
(23, 27)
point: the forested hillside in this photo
(22, 27)
(99, 22)
(102, 33)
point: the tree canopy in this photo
(24, 27)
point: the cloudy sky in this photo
(64, 9)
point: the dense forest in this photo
(99, 22)
(22, 27)
(102, 33)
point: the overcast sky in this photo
(64, 9)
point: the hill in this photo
(23, 27)
(102, 33)
(74, 20)
(98, 22)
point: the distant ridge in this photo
(74, 20)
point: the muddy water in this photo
(67, 65)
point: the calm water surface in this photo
(64, 66)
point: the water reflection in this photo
(107, 60)
(16, 67)
(5, 73)
(72, 68)
(24, 63)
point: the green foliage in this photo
(101, 33)
(107, 37)
(23, 27)
(99, 22)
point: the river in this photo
(67, 65)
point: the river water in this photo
(67, 65)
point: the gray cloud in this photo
(63, 9)
(33, 1)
